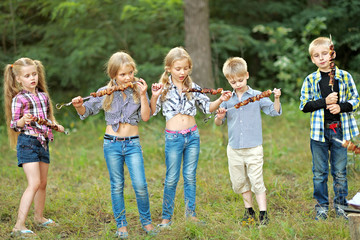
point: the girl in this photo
(26, 97)
(182, 139)
(123, 111)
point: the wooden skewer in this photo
(101, 93)
(45, 122)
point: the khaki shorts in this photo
(245, 168)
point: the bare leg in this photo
(261, 200)
(32, 172)
(247, 198)
(39, 200)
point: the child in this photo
(26, 97)
(331, 118)
(244, 150)
(182, 140)
(123, 111)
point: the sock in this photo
(250, 211)
(263, 215)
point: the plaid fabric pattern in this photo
(310, 91)
(35, 104)
(176, 103)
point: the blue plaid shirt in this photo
(310, 91)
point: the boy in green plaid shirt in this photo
(331, 119)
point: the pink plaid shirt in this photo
(35, 104)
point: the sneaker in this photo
(340, 213)
(321, 214)
(263, 219)
(248, 218)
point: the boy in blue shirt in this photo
(331, 119)
(244, 150)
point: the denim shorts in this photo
(29, 149)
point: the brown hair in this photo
(12, 88)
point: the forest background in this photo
(75, 38)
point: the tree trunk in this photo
(197, 41)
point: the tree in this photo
(197, 40)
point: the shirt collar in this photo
(23, 91)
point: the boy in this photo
(331, 119)
(244, 150)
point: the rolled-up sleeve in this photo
(92, 107)
(17, 113)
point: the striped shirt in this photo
(310, 91)
(121, 110)
(37, 105)
(177, 103)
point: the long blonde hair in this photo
(12, 88)
(116, 62)
(175, 54)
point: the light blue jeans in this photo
(129, 152)
(338, 160)
(180, 147)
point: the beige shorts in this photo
(246, 169)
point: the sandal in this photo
(22, 233)
(48, 223)
(165, 225)
(121, 235)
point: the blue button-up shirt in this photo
(121, 111)
(244, 123)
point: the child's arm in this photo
(220, 114)
(145, 108)
(26, 119)
(156, 90)
(225, 96)
(78, 102)
(277, 94)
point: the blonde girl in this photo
(182, 140)
(27, 96)
(123, 112)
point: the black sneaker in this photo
(263, 218)
(248, 218)
(321, 214)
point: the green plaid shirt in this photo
(310, 91)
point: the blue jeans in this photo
(129, 152)
(180, 147)
(338, 161)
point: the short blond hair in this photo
(320, 41)
(234, 66)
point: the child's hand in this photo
(225, 96)
(156, 89)
(60, 128)
(333, 108)
(27, 118)
(332, 98)
(220, 113)
(142, 86)
(77, 102)
(277, 93)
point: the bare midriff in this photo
(180, 122)
(125, 130)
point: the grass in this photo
(78, 193)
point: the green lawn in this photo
(79, 192)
